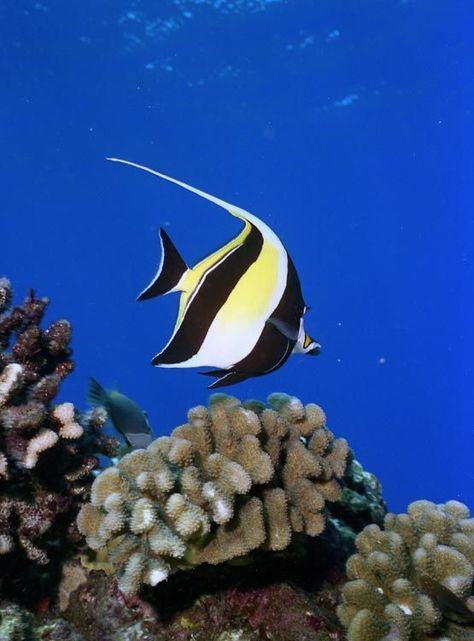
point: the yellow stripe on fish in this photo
(192, 277)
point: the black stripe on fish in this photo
(270, 352)
(291, 307)
(171, 270)
(275, 345)
(214, 289)
(276, 341)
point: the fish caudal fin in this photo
(170, 271)
(96, 394)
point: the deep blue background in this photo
(344, 124)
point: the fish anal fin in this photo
(170, 272)
(284, 328)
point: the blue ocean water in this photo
(343, 124)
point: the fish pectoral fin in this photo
(230, 377)
(290, 332)
(170, 272)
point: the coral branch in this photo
(235, 478)
(46, 451)
(405, 578)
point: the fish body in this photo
(452, 607)
(241, 308)
(127, 417)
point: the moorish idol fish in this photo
(127, 417)
(241, 308)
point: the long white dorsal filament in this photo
(233, 209)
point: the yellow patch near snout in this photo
(307, 341)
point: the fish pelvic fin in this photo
(226, 377)
(96, 394)
(170, 272)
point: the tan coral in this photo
(73, 576)
(235, 539)
(278, 523)
(236, 478)
(395, 574)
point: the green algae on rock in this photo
(361, 502)
(389, 594)
(361, 499)
(18, 624)
(230, 481)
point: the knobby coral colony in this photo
(46, 451)
(412, 581)
(235, 478)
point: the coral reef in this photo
(18, 624)
(234, 479)
(279, 596)
(228, 611)
(361, 502)
(73, 576)
(405, 579)
(277, 611)
(47, 452)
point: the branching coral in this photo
(46, 451)
(235, 478)
(401, 575)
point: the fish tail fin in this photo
(96, 394)
(170, 271)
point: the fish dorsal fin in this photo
(96, 394)
(171, 270)
(238, 212)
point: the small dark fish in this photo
(127, 417)
(452, 607)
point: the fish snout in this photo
(309, 345)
